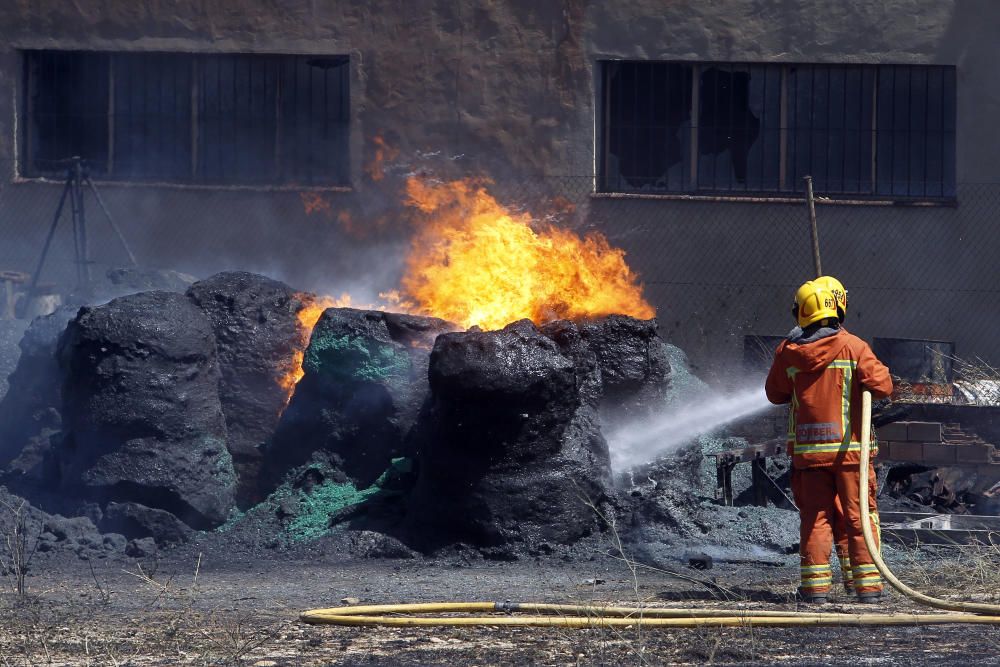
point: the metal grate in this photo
(188, 118)
(719, 128)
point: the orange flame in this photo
(383, 153)
(308, 317)
(314, 202)
(476, 262)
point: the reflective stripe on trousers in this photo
(816, 578)
(867, 578)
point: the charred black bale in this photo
(511, 451)
(364, 384)
(30, 411)
(634, 364)
(257, 332)
(142, 419)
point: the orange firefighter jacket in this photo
(823, 380)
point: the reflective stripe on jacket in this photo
(823, 380)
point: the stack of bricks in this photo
(932, 443)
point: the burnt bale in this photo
(587, 369)
(30, 411)
(364, 384)
(510, 447)
(257, 332)
(142, 420)
(634, 363)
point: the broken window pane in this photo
(856, 129)
(647, 126)
(734, 103)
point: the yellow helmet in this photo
(814, 302)
(839, 293)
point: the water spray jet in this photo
(639, 442)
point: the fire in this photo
(314, 202)
(474, 261)
(383, 153)
(308, 317)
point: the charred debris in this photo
(159, 417)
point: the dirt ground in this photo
(182, 610)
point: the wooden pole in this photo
(811, 204)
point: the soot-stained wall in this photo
(507, 90)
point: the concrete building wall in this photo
(507, 90)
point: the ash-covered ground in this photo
(212, 607)
(181, 501)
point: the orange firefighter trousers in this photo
(817, 490)
(840, 543)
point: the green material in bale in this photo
(308, 512)
(355, 358)
(318, 505)
(312, 520)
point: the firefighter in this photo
(839, 522)
(821, 369)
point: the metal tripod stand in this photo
(77, 179)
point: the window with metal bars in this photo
(725, 128)
(188, 118)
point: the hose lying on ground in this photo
(866, 530)
(584, 616)
(581, 616)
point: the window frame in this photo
(604, 181)
(339, 178)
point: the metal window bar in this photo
(633, 149)
(843, 130)
(910, 130)
(783, 130)
(873, 156)
(650, 129)
(892, 135)
(695, 124)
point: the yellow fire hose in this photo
(592, 616)
(866, 530)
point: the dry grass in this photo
(236, 635)
(158, 620)
(705, 645)
(959, 571)
(18, 547)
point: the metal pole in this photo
(48, 238)
(111, 221)
(811, 203)
(84, 258)
(74, 216)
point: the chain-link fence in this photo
(717, 271)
